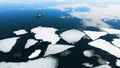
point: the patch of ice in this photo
(46, 34)
(87, 65)
(7, 44)
(72, 36)
(103, 66)
(106, 46)
(57, 48)
(30, 42)
(95, 34)
(48, 62)
(116, 42)
(102, 61)
(20, 32)
(88, 53)
(118, 63)
(35, 54)
(111, 30)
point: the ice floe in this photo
(95, 34)
(106, 46)
(88, 53)
(57, 48)
(35, 54)
(72, 36)
(87, 65)
(48, 62)
(116, 42)
(111, 30)
(118, 63)
(30, 42)
(46, 34)
(7, 44)
(103, 66)
(20, 32)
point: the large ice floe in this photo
(72, 36)
(7, 44)
(95, 34)
(111, 30)
(48, 62)
(106, 46)
(46, 34)
(20, 32)
(116, 42)
(57, 48)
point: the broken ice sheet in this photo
(72, 36)
(106, 46)
(20, 32)
(48, 62)
(57, 48)
(7, 44)
(46, 34)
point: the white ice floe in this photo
(35, 54)
(95, 34)
(106, 46)
(7, 44)
(57, 48)
(88, 53)
(116, 42)
(20, 32)
(30, 42)
(48, 62)
(102, 61)
(103, 66)
(111, 30)
(72, 36)
(46, 34)
(118, 63)
(87, 65)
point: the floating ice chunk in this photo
(7, 44)
(95, 34)
(72, 36)
(46, 34)
(106, 46)
(116, 42)
(35, 54)
(30, 42)
(102, 61)
(111, 30)
(20, 32)
(88, 53)
(87, 65)
(118, 63)
(48, 62)
(54, 49)
(103, 66)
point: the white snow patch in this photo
(30, 42)
(46, 34)
(20, 32)
(106, 46)
(95, 34)
(88, 53)
(118, 63)
(72, 36)
(7, 44)
(116, 42)
(57, 48)
(111, 30)
(48, 62)
(103, 66)
(35, 54)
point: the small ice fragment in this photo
(30, 43)
(35, 54)
(88, 53)
(20, 32)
